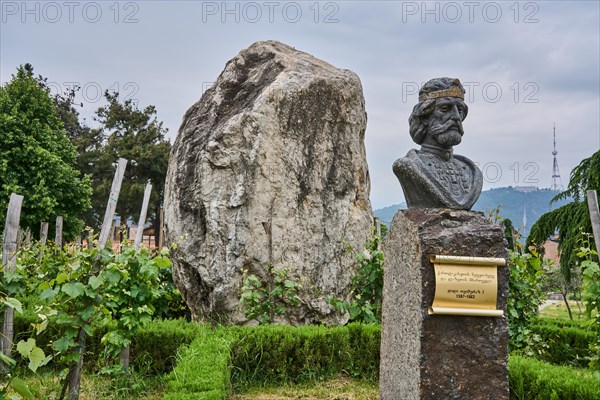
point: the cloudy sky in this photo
(526, 65)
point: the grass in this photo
(135, 387)
(559, 310)
(338, 388)
(97, 387)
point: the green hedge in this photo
(154, 348)
(562, 323)
(536, 380)
(213, 360)
(566, 346)
(282, 354)
(272, 355)
(278, 354)
(567, 343)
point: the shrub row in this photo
(213, 360)
(272, 354)
(283, 354)
(154, 347)
(277, 354)
(568, 344)
(562, 323)
(536, 380)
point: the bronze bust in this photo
(433, 176)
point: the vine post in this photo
(140, 231)
(58, 239)
(9, 261)
(43, 239)
(161, 237)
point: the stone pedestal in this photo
(440, 356)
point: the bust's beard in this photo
(449, 138)
(448, 134)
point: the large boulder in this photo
(269, 167)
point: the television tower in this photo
(556, 181)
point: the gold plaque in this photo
(466, 285)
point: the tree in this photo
(572, 219)
(138, 136)
(37, 159)
(554, 281)
(89, 144)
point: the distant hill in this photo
(514, 201)
(386, 214)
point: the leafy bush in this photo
(366, 291)
(170, 304)
(591, 288)
(264, 299)
(536, 380)
(130, 285)
(525, 296)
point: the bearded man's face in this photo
(445, 122)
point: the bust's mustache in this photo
(437, 129)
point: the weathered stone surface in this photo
(438, 356)
(275, 148)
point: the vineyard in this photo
(75, 290)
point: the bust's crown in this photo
(454, 91)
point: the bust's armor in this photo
(429, 181)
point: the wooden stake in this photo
(9, 261)
(140, 231)
(161, 234)
(59, 231)
(112, 202)
(43, 239)
(43, 233)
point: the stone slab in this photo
(437, 356)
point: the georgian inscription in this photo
(466, 285)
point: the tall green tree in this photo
(573, 218)
(37, 160)
(136, 135)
